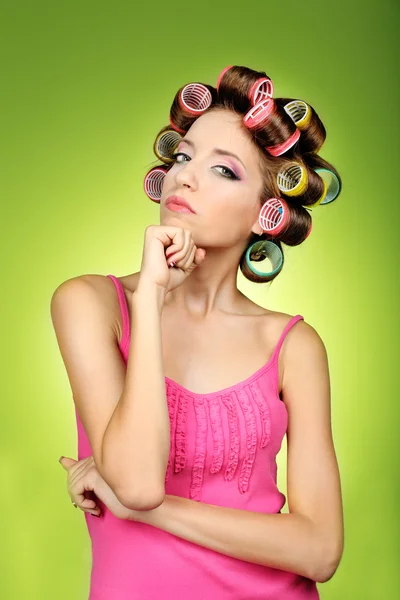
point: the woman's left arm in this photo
(309, 539)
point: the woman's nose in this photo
(186, 176)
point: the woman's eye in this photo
(230, 173)
(175, 156)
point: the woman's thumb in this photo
(199, 256)
(67, 462)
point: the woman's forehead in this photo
(222, 128)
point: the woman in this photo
(181, 468)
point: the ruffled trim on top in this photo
(210, 413)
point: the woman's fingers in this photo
(90, 506)
(88, 503)
(178, 255)
(82, 485)
(85, 504)
(183, 258)
(78, 473)
(189, 259)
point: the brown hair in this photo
(232, 94)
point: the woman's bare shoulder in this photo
(106, 295)
(271, 317)
(104, 285)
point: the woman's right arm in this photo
(123, 409)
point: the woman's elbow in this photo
(329, 567)
(143, 501)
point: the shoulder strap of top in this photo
(124, 308)
(289, 325)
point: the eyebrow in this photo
(215, 150)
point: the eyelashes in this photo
(231, 175)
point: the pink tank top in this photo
(223, 452)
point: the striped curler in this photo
(222, 74)
(153, 183)
(261, 89)
(274, 216)
(292, 180)
(284, 146)
(333, 184)
(259, 113)
(195, 98)
(299, 112)
(165, 144)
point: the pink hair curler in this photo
(175, 127)
(261, 89)
(259, 113)
(195, 98)
(274, 216)
(284, 146)
(153, 183)
(222, 74)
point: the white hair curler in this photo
(292, 180)
(259, 113)
(153, 183)
(195, 98)
(261, 89)
(299, 112)
(165, 144)
(274, 216)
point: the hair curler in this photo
(299, 112)
(261, 250)
(322, 197)
(261, 89)
(165, 144)
(259, 113)
(222, 74)
(195, 98)
(153, 183)
(274, 216)
(332, 184)
(292, 180)
(284, 146)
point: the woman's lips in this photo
(178, 208)
(178, 200)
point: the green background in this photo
(85, 88)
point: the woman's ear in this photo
(257, 228)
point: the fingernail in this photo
(94, 515)
(61, 457)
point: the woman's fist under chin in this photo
(164, 244)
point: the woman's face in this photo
(223, 190)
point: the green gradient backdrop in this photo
(86, 86)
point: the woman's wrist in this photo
(146, 293)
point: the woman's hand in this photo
(164, 244)
(85, 484)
